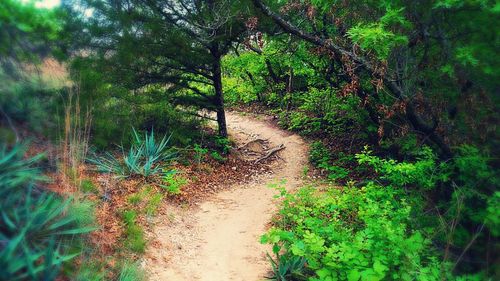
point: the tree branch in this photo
(417, 122)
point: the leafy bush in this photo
(320, 157)
(217, 157)
(199, 153)
(425, 172)
(28, 102)
(302, 123)
(223, 144)
(473, 207)
(174, 183)
(318, 153)
(354, 234)
(345, 234)
(144, 158)
(38, 228)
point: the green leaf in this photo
(353, 275)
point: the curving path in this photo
(219, 241)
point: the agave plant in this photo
(288, 267)
(15, 171)
(108, 163)
(35, 230)
(143, 158)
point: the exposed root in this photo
(270, 152)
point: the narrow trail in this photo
(219, 241)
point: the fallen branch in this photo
(270, 153)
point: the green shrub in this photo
(318, 153)
(28, 101)
(217, 157)
(223, 144)
(144, 158)
(199, 153)
(473, 207)
(320, 157)
(424, 172)
(354, 234)
(174, 183)
(303, 124)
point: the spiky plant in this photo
(287, 267)
(145, 158)
(36, 232)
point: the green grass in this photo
(87, 186)
(134, 234)
(153, 204)
(90, 271)
(131, 272)
(135, 199)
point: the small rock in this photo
(233, 168)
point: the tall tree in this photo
(169, 46)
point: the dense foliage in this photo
(395, 76)
(398, 98)
(355, 234)
(385, 230)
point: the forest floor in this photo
(218, 239)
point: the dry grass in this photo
(75, 139)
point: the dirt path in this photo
(219, 241)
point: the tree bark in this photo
(219, 94)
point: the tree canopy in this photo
(170, 46)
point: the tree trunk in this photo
(219, 95)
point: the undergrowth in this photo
(386, 229)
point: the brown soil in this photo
(218, 239)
